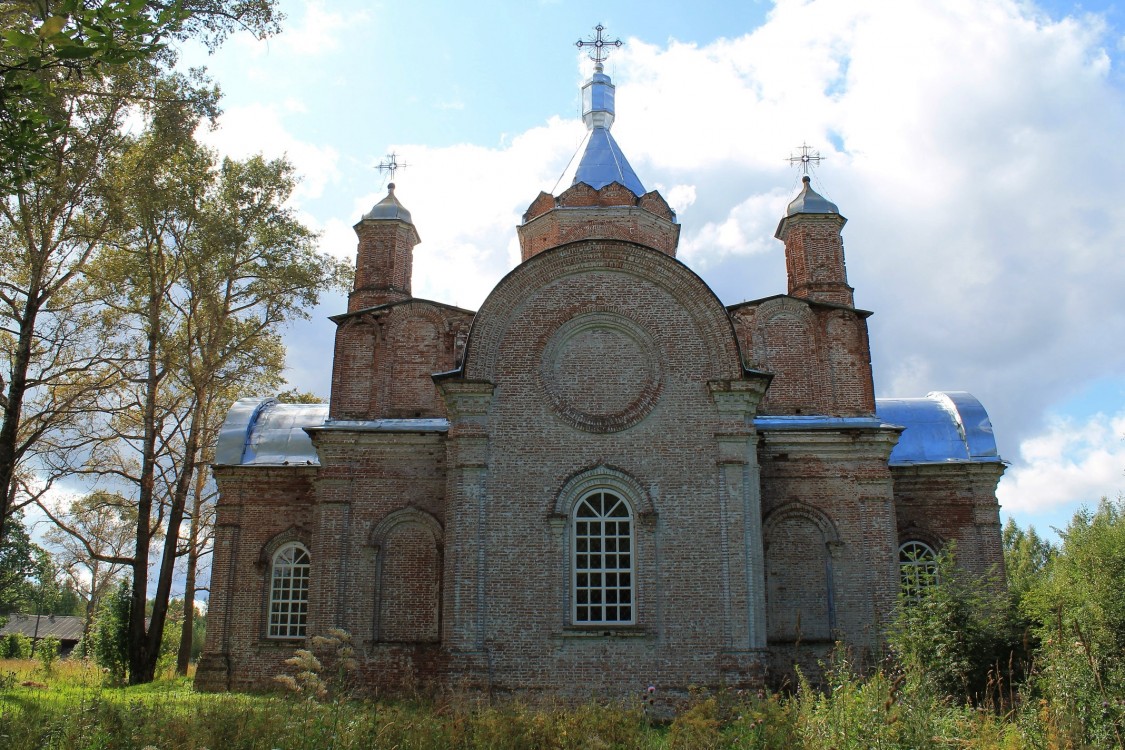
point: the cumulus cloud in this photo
(260, 129)
(1071, 463)
(984, 231)
(473, 198)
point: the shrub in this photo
(47, 652)
(16, 646)
(1080, 615)
(952, 630)
(108, 641)
(326, 670)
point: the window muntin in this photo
(289, 592)
(603, 561)
(918, 568)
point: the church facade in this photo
(602, 479)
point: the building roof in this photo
(599, 161)
(808, 201)
(63, 627)
(265, 432)
(943, 427)
(388, 208)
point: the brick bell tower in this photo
(814, 249)
(386, 254)
(604, 198)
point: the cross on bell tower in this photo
(600, 52)
(390, 165)
(806, 160)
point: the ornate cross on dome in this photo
(390, 164)
(806, 160)
(600, 52)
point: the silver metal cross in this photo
(806, 160)
(600, 52)
(390, 165)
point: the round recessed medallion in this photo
(601, 372)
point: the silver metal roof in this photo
(808, 201)
(599, 160)
(388, 208)
(265, 432)
(943, 427)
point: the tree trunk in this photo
(183, 658)
(13, 401)
(142, 657)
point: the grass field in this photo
(72, 710)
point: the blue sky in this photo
(974, 145)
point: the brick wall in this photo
(612, 212)
(819, 354)
(384, 263)
(942, 503)
(574, 343)
(384, 358)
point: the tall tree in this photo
(92, 544)
(206, 265)
(21, 564)
(69, 73)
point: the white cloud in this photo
(984, 229)
(466, 201)
(1068, 464)
(318, 30)
(258, 129)
(747, 230)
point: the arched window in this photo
(603, 560)
(289, 592)
(918, 568)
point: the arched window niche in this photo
(601, 511)
(289, 592)
(918, 568)
(602, 582)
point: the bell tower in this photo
(386, 254)
(814, 249)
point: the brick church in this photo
(602, 479)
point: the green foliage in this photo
(294, 396)
(1026, 556)
(47, 652)
(43, 52)
(1079, 612)
(108, 640)
(22, 563)
(15, 646)
(951, 630)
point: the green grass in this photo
(71, 710)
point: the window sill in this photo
(265, 643)
(604, 631)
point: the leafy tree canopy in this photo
(48, 44)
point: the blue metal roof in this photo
(943, 427)
(266, 432)
(601, 161)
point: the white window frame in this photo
(603, 584)
(288, 614)
(917, 567)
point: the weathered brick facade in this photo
(601, 480)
